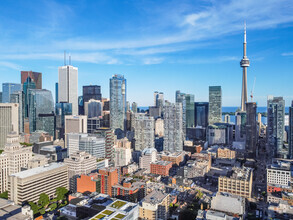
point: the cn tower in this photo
(244, 63)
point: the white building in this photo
(159, 127)
(9, 120)
(143, 127)
(85, 142)
(148, 156)
(279, 174)
(13, 159)
(173, 130)
(79, 163)
(68, 86)
(122, 152)
(75, 124)
(29, 184)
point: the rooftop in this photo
(38, 170)
(155, 197)
(162, 162)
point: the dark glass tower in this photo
(251, 128)
(201, 114)
(91, 92)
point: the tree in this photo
(44, 200)
(34, 207)
(199, 194)
(4, 195)
(53, 207)
(60, 193)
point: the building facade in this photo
(68, 86)
(36, 77)
(215, 104)
(8, 89)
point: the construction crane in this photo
(252, 91)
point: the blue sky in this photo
(157, 45)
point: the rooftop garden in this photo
(120, 216)
(1, 151)
(100, 216)
(107, 212)
(118, 204)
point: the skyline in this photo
(201, 40)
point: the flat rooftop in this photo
(38, 170)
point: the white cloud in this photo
(287, 54)
(153, 60)
(9, 65)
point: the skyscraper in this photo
(35, 77)
(276, 126)
(134, 107)
(18, 97)
(117, 102)
(68, 86)
(180, 98)
(251, 128)
(143, 127)
(159, 100)
(244, 64)
(8, 120)
(201, 114)
(8, 89)
(61, 109)
(27, 85)
(215, 104)
(173, 131)
(189, 110)
(91, 92)
(41, 111)
(290, 133)
(93, 108)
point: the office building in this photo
(226, 153)
(27, 86)
(79, 163)
(148, 156)
(93, 108)
(238, 183)
(91, 92)
(18, 97)
(276, 126)
(173, 131)
(122, 152)
(41, 111)
(279, 176)
(290, 133)
(143, 127)
(94, 124)
(134, 107)
(29, 184)
(109, 136)
(61, 110)
(155, 206)
(8, 89)
(75, 124)
(9, 121)
(12, 159)
(240, 126)
(215, 104)
(251, 128)
(220, 133)
(201, 114)
(161, 167)
(244, 64)
(35, 77)
(68, 86)
(117, 102)
(85, 142)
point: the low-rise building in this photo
(155, 206)
(148, 156)
(161, 167)
(175, 158)
(29, 184)
(239, 182)
(132, 192)
(226, 153)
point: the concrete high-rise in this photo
(173, 131)
(8, 120)
(91, 92)
(93, 108)
(68, 86)
(35, 77)
(251, 128)
(143, 127)
(18, 97)
(215, 104)
(290, 134)
(244, 64)
(117, 102)
(8, 89)
(276, 126)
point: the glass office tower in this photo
(215, 104)
(8, 89)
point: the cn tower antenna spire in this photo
(244, 64)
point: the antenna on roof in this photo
(64, 57)
(69, 59)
